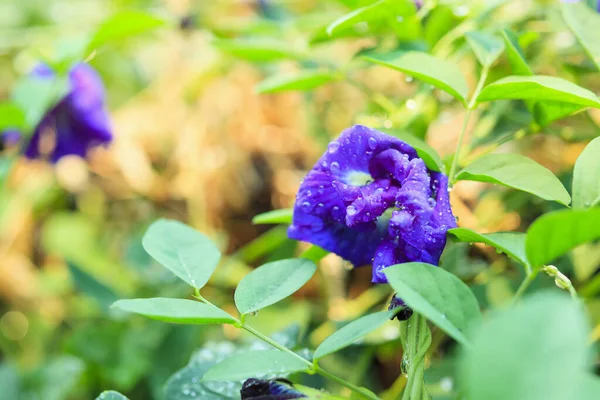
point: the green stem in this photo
(348, 385)
(470, 107)
(524, 285)
(417, 340)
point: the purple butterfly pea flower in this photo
(79, 121)
(275, 389)
(371, 200)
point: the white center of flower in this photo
(358, 178)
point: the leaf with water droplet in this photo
(252, 363)
(438, 295)
(271, 283)
(186, 252)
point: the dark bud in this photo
(188, 22)
(405, 313)
(274, 389)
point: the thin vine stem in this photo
(312, 368)
(470, 107)
(524, 285)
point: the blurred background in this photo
(196, 142)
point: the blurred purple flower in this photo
(276, 389)
(79, 121)
(371, 200)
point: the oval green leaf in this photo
(272, 282)
(584, 23)
(508, 170)
(363, 14)
(259, 50)
(487, 48)
(511, 243)
(437, 72)
(538, 87)
(517, 349)
(438, 295)
(283, 216)
(515, 55)
(254, 363)
(350, 333)
(186, 252)
(111, 395)
(123, 25)
(175, 310)
(298, 81)
(555, 233)
(586, 176)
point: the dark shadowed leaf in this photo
(438, 295)
(487, 48)
(538, 87)
(509, 361)
(555, 233)
(586, 176)
(511, 243)
(186, 252)
(507, 170)
(283, 216)
(175, 310)
(352, 332)
(437, 72)
(254, 363)
(271, 283)
(298, 81)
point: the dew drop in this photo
(308, 193)
(372, 142)
(333, 147)
(305, 206)
(321, 189)
(351, 210)
(321, 205)
(431, 202)
(335, 167)
(324, 164)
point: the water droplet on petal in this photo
(372, 142)
(351, 210)
(321, 189)
(305, 206)
(333, 147)
(308, 193)
(335, 167)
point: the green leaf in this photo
(586, 176)
(426, 153)
(317, 394)
(35, 96)
(511, 243)
(517, 351)
(538, 87)
(306, 80)
(508, 170)
(90, 286)
(124, 25)
(487, 48)
(11, 116)
(367, 13)
(590, 388)
(10, 381)
(314, 253)
(271, 283)
(111, 395)
(555, 233)
(186, 252)
(350, 333)
(259, 50)
(584, 22)
(439, 73)
(438, 295)
(283, 216)
(515, 54)
(254, 363)
(175, 310)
